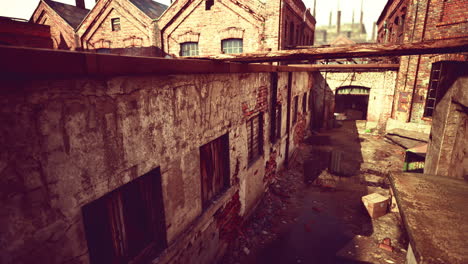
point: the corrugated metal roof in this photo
(70, 13)
(151, 8)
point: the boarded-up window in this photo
(214, 168)
(128, 224)
(255, 137)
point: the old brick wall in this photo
(261, 25)
(69, 141)
(136, 29)
(63, 35)
(448, 144)
(226, 19)
(382, 86)
(426, 20)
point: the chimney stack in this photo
(352, 21)
(338, 22)
(362, 14)
(315, 6)
(80, 4)
(330, 23)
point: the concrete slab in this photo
(434, 211)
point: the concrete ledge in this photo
(434, 211)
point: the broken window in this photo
(296, 102)
(255, 137)
(231, 46)
(128, 224)
(115, 22)
(189, 49)
(209, 4)
(214, 168)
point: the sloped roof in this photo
(151, 8)
(70, 13)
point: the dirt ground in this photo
(311, 215)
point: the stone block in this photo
(376, 204)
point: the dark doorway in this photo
(351, 102)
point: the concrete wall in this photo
(381, 84)
(448, 145)
(66, 142)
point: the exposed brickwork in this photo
(425, 20)
(270, 168)
(63, 35)
(136, 36)
(299, 129)
(261, 25)
(228, 219)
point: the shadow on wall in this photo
(321, 103)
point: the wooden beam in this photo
(347, 67)
(353, 51)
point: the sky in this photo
(372, 9)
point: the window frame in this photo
(231, 41)
(214, 178)
(109, 222)
(253, 154)
(188, 44)
(115, 24)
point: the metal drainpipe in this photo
(419, 62)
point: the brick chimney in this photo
(338, 22)
(80, 4)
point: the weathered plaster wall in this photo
(447, 153)
(67, 142)
(382, 87)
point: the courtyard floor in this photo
(310, 215)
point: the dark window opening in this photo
(274, 98)
(304, 103)
(232, 46)
(189, 49)
(214, 168)
(291, 33)
(115, 24)
(209, 4)
(296, 102)
(278, 121)
(255, 137)
(128, 224)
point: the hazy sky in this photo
(372, 9)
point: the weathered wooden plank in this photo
(354, 51)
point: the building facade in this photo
(416, 92)
(122, 27)
(204, 27)
(62, 19)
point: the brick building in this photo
(416, 92)
(63, 19)
(207, 27)
(18, 32)
(122, 27)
